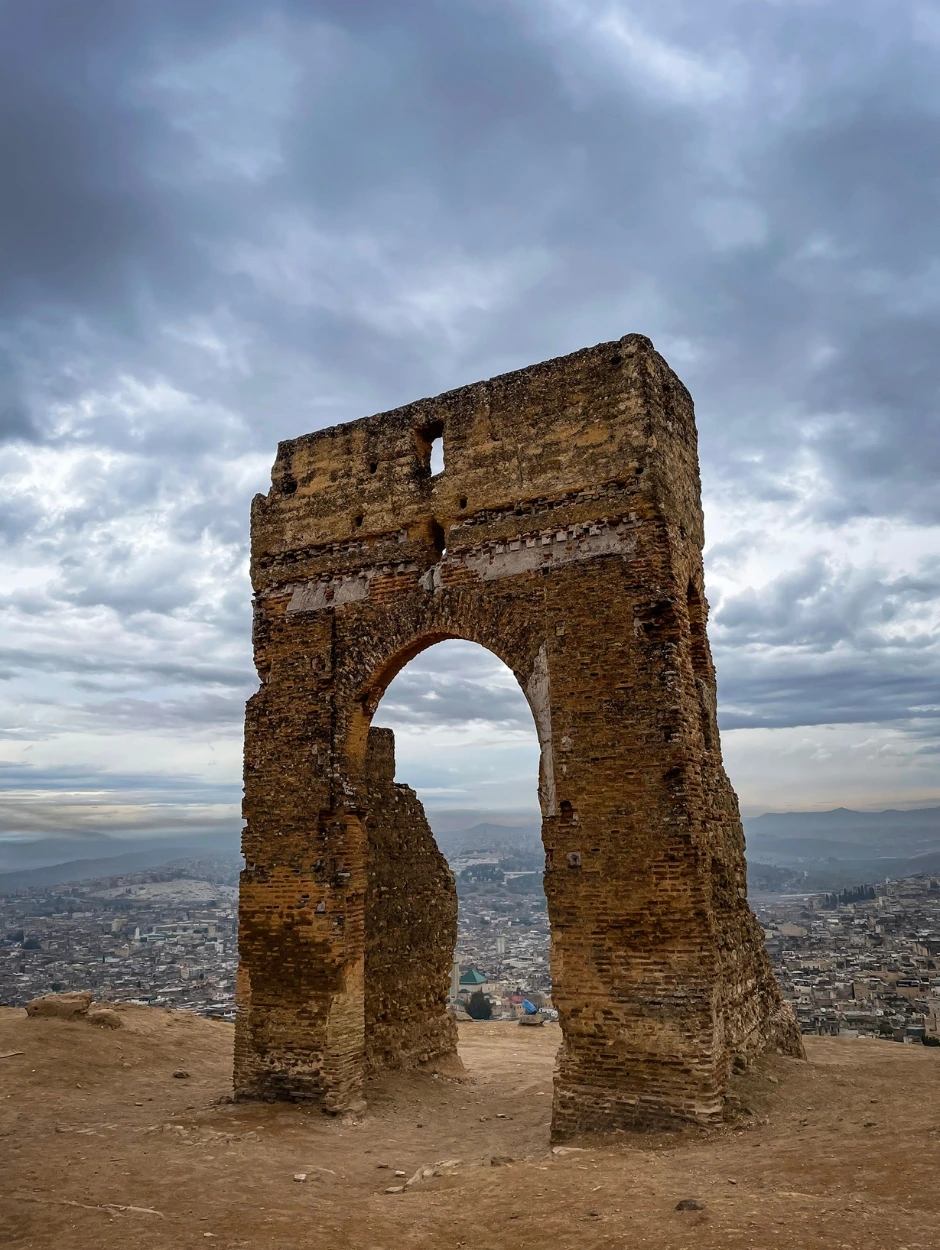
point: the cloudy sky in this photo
(226, 223)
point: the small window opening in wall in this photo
(429, 441)
(374, 466)
(439, 538)
(463, 504)
(359, 519)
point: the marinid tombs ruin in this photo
(564, 535)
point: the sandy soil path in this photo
(102, 1146)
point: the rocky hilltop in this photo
(125, 1135)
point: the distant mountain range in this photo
(841, 825)
(20, 853)
(843, 847)
(787, 851)
(44, 862)
(487, 837)
(813, 850)
(91, 869)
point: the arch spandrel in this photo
(562, 536)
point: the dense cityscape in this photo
(863, 962)
(167, 936)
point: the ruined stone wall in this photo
(565, 535)
(410, 923)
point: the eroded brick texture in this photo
(410, 923)
(565, 535)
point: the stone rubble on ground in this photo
(69, 1006)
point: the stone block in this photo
(69, 1006)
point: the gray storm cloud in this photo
(224, 224)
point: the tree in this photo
(479, 1006)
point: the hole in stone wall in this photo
(439, 538)
(466, 743)
(359, 519)
(463, 504)
(374, 467)
(429, 442)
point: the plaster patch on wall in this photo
(544, 549)
(538, 692)
(315, 596)
(489, 561)
(431, 580)
(549, 549)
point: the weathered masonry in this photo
(565, 535)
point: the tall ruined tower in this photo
(565, 535)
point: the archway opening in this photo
(456, 916)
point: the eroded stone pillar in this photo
(410, 924)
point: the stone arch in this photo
(534, 685)
(410, 913)
(564, 534)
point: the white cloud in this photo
(873, 765)
(654, 60)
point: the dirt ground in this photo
(102, 1146)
